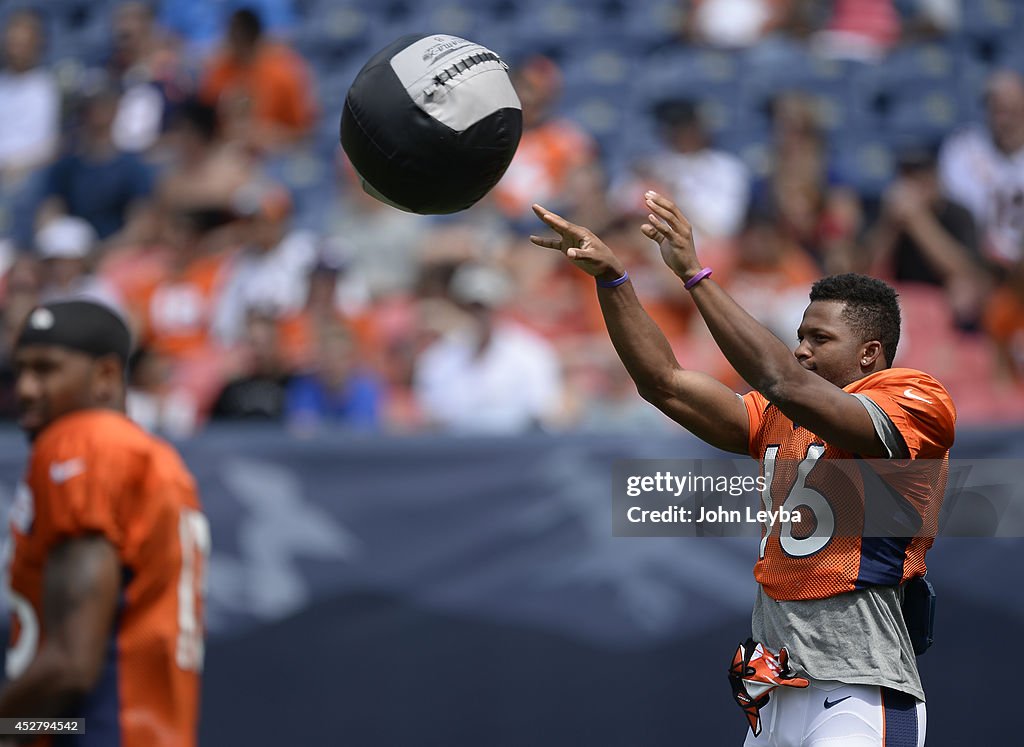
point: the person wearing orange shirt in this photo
(551, 148)
(834, 655)
(108, 549)
(1004, 323)
(262, 89)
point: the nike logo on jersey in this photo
(61, 472)
(835, 702)
(909, 394)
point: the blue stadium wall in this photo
(441, 591)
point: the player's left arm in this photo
(80, 598)
(761, 358)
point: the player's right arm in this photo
(80, 597)
(701, 404)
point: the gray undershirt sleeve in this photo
(887, 432)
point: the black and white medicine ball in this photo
(431, 123)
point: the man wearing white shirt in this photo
(271, 274)
(711, 186)
(31, 99)
(29, 127)
(487, 376)
(982, 168)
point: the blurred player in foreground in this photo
(108, 549)
(832, 659)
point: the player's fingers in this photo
(652, 233)
(583, 251)
(546, 242)
(556, 221)
(669, 210)
(661, 200)
(662, 226)
(665, 214)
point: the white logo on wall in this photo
(278, 527)
(656, 581)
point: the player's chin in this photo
(33, 420)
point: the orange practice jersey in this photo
(833, 548)
(177, 311)
(95, 472)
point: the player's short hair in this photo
(199, 116)
(871, 307)
(83, 325)
(247, 24)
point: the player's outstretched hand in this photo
(669, 228)
(580, 245)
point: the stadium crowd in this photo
(165, 174)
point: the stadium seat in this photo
(650, 25)
(752, 144)
(309, 178)
(925, 109)
(863, 160)
(707, 77)
(448, 17)
(553, 23)
(990, 17)
(599, 113)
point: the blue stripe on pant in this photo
(900, 716)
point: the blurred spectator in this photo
(487, 376)
(654, 282)
(271, 270)
(150, 74)
(175, 306)
(171, 290)
(20, 294)
(96, 181)
(983, 169)
(385, 242)
(1004, 322)
(551, 148)
(711, 187)
(336, 392)
(152, 403)
(29, 126)
(924, 237)
(860, 30)
(813, 208)
(769, 276)
(328, 303)
(205, 172)
(259, 392)
(932, 18)
(262, 89)
(201, 22)
(603, 398)
(736, 23)
(65, 247)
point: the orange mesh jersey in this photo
(834, 548)
(96, 472)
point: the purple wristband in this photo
(697, 278)
(613, 283)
